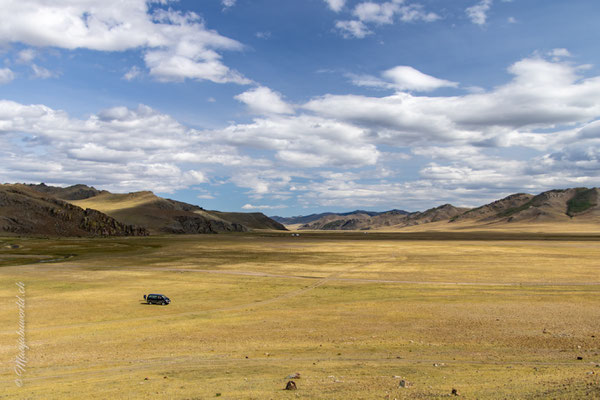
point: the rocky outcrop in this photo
(28, 212)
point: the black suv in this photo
(157, 299)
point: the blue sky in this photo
(300, 106)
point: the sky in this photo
(301, 106)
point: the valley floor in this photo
(490, 314)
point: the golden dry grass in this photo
(352, 313)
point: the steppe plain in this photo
(494, 315)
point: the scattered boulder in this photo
(291, 385)
(454, 392)
(580, 358)
(293, 376)
(404, 383)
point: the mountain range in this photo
(81, 210)
(575, 205)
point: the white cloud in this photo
(228, 3)
(403, 78)
(538, 130)
(263, 35)
(559, 53)
(121, 148)
(305, 141)
(350, 29)
(6, 75)
(478, 13)
(264, 207)
(176, 46)
(382, 14)
(541, 95)
(263, 100)
(26, 56)
(133, 73)
(41, 72)
(336, 5)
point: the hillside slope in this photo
(553, 206)
(25, 211)
(158, 215)
(249, 220)
(394, 218)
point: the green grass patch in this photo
(582, 201)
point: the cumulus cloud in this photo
(349, 29)
(403, 78)
(263, 100)
(305, 141)
(541, 95)
(176, 46)
(385, 13)
(6, 75)
(336, 5)
(334, 150)
(121, 148)
(478, 13)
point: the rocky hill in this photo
(25, 211)
(75, 192)
(158, 215)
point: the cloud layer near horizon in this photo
(539, 130)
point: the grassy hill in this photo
(157, 214)
(568, 209)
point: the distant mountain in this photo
(305, 219)
(553, 206)
(394, 218)
(25, 211)
(250, 220)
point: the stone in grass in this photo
(293, 376)
(291, 385)
(404, 383)
(454, 392)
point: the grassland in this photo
(492, 315)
